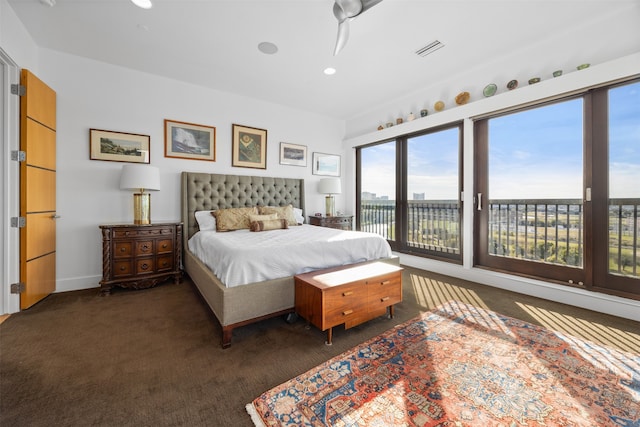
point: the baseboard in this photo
(77, 283)
(595, 301)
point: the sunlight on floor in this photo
(592, 331)
(431, 293)
(4, 317)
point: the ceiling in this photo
(213, 43)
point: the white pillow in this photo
(206, 221)
(297, 213)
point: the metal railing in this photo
(543, 230)
(432, 225)
(548, 230)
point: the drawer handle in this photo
(145, 247)
(164, 246)
(346, 313)
(126, 233)
(123, 249)
(346, 294)
(164, 264)
(144, 266)
(123, 268)
(386, 282)
(384, 299)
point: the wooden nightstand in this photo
(342, 222)
(140, 256)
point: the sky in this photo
(533, 154)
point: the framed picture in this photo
(249, 147)
(326, 164)
(292, 154)
(189, 141)
(119, 146)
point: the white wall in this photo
(554, 87)
(95, 95)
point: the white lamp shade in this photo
(140, 177)
(330, 186)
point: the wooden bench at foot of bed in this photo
(349, 294)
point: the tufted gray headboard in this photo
(209, 191)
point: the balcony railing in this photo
(543, 230)
(548, 230)
(432, 225)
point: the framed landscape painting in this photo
(249, 147)
(292, 154)
(189, 141)
(119, 146)
(326, 164)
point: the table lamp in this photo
(330, 186)
(140, 178)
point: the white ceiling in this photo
(213, 43)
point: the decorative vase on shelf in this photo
(410, 117)
(399, 121)
(423, 113)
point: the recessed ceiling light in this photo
(145, 4)
(329, 71)
(267, 48)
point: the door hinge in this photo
(17, 288)
(18, 221)
(18, 89)
(18, 156)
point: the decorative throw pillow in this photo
(297, 213)
(234, 218)
(206, 221)
(253, 218)
(269, 224)
(284, 212)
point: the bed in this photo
(249, 302)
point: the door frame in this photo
(9, 185)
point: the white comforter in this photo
(241, 257)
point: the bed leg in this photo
(226, 336)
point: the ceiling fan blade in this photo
(368, 4)
(343, 36)
(345, 11)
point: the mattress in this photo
(241, 257)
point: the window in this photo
(555, 183)
(409, 192)
(377, 195)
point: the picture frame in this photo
(293, 154)
(184, 140)
(249, 147)
(326, 164)
(119, 146)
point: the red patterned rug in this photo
(459, 365)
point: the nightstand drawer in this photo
(164, 246)
(122, 268)
(145, 266)
(123, 250)
(144, 247)
(165, 263)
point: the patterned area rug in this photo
(459, 365)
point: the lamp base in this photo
(330, 205)
(142, 208)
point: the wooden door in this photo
(37, 190)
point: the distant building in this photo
(418, 196)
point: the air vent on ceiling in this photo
(430, 48)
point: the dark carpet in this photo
(153, 357)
